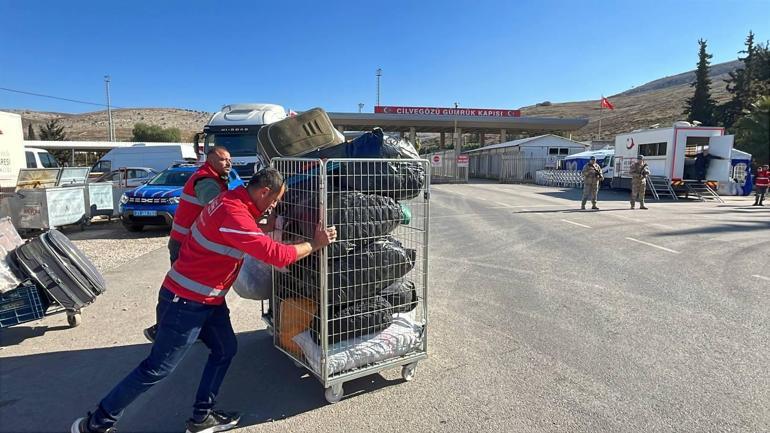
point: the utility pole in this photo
(360, 106)
(379, 74)
(110, 127)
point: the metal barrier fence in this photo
(560, 178)
(515, 168)
(445, 169)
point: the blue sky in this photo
(481, 54)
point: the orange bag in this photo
(295, 317)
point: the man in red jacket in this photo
(761, 182)
(192, 304)
(208, 181)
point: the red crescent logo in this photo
(629, 143)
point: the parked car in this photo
(155, 202)
(129, 176)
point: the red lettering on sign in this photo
(439, 111)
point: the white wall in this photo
(12, 157)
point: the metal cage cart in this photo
(360, 305)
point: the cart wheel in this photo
(73, 319)
(407, 371)
(334, 393)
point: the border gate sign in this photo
(462, 160)
(435, 160)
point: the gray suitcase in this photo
(296, 136)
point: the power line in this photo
(55, 97)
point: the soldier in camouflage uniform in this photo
(639, 172)
(592, 176)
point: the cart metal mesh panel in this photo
(359, 305)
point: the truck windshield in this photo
(171, 178)
(239, 145)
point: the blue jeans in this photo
(180, 323)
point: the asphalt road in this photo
(543, 318)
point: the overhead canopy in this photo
(440, 123)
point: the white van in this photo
(156, 157)
(39, 158)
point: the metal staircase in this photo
(660, 187)
(702, 191)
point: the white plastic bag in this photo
(255, 280)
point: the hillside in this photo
(93, 126)
(659, 101)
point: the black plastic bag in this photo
(360, 275)
(398, 180)
(401, 295)
(355, 320)
(365, 272)
(358, 218)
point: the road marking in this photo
(761, 277)
(653, 245)
(577, 224)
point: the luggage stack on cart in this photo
(358, 306)
(46, 275)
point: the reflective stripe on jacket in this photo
(763, 178)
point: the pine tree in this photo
(53, 131)
(31, 132)
(701, 106)
(753, 130)
(741, 85)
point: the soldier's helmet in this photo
(640, 157)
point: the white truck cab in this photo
(235, 127)
(39, 158)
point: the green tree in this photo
(753, 130)
(701, 106)
(742, 86)
(53, 131)
(31, 132)
(153, 133)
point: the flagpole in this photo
(601, 112)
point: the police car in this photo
(155, 202)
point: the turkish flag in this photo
(607, 104)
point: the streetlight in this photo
(360, 106)
(110, 127)
(379, 74)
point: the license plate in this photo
(145, 213)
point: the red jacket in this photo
(189, 206)
(211, 255)
(763, 178)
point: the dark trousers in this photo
(180, 323)
(759, 194)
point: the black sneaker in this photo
(81, 426)
(150, 333)
(216, 421)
